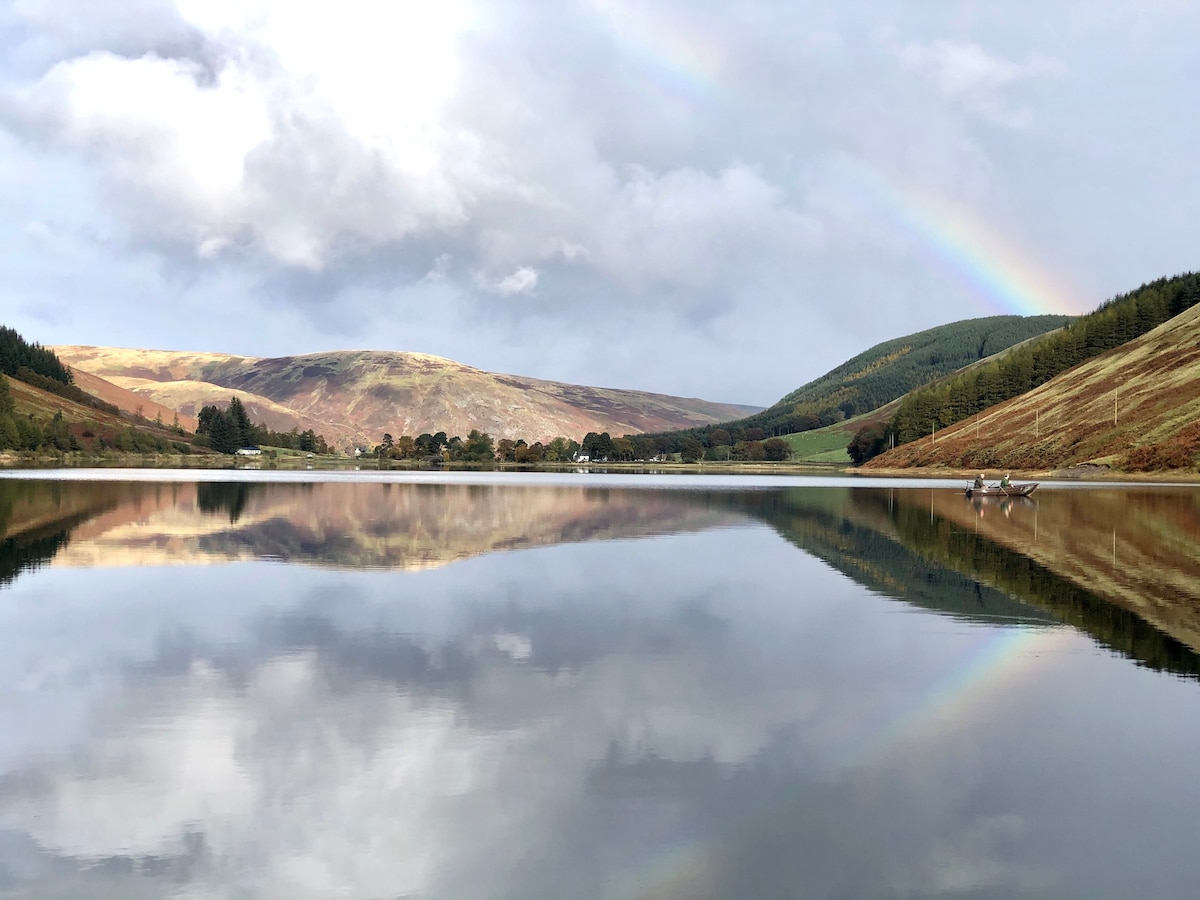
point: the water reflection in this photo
(1107, 560)
(1123, 564)
(1043, 560)
(704, 713)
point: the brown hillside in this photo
(86, 423)
(130, 402)
(356, 396)
(1150, 386)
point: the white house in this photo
(249, 451)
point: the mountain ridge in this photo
(354, 396)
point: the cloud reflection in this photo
(681, 716)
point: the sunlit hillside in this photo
(357, 396)
(1136, 407)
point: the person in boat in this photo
(979, 481)
(1004, 482)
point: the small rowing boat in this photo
(994, 490)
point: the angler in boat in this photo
(979, 488)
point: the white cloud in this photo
(315, 138)
(313, 131)
(440, 269)
(668, 159)
(40, 231)
(523, 281)
(968, 73)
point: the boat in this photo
(994, 490)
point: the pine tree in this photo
(239, 423)
(223, 435)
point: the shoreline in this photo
(1068, 475)
(175, 462)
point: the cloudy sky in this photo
(690, 197)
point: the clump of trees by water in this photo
(718, 445)
(230, 429)
(476, 447)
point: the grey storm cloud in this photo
(620, 181)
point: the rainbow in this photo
(686, 61)
(997, 661)
(684, 869)
(963, 243)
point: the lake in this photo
(441, 685)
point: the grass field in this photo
(822, 445)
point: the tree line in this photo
(476, 447)
(748, 445)
(36, 365)
(16, 354)
(1115, 322)
(716, 444)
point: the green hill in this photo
(1116, 323)
(1135, 408)
(882, 374)
(895, 367)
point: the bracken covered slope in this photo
(356, 396)
(1136, 408)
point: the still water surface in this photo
(489, 687)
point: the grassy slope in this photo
(1114, 323)
(128, 401)
(356, 396)
(822, 445)
(1069, 420)
(84, 422)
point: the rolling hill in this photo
(1135, 407)
(1115, 322)
(354, 397)
(887, 371)
(891, 369)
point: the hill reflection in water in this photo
(1123, 564)
(371, 525)
(849, 689)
